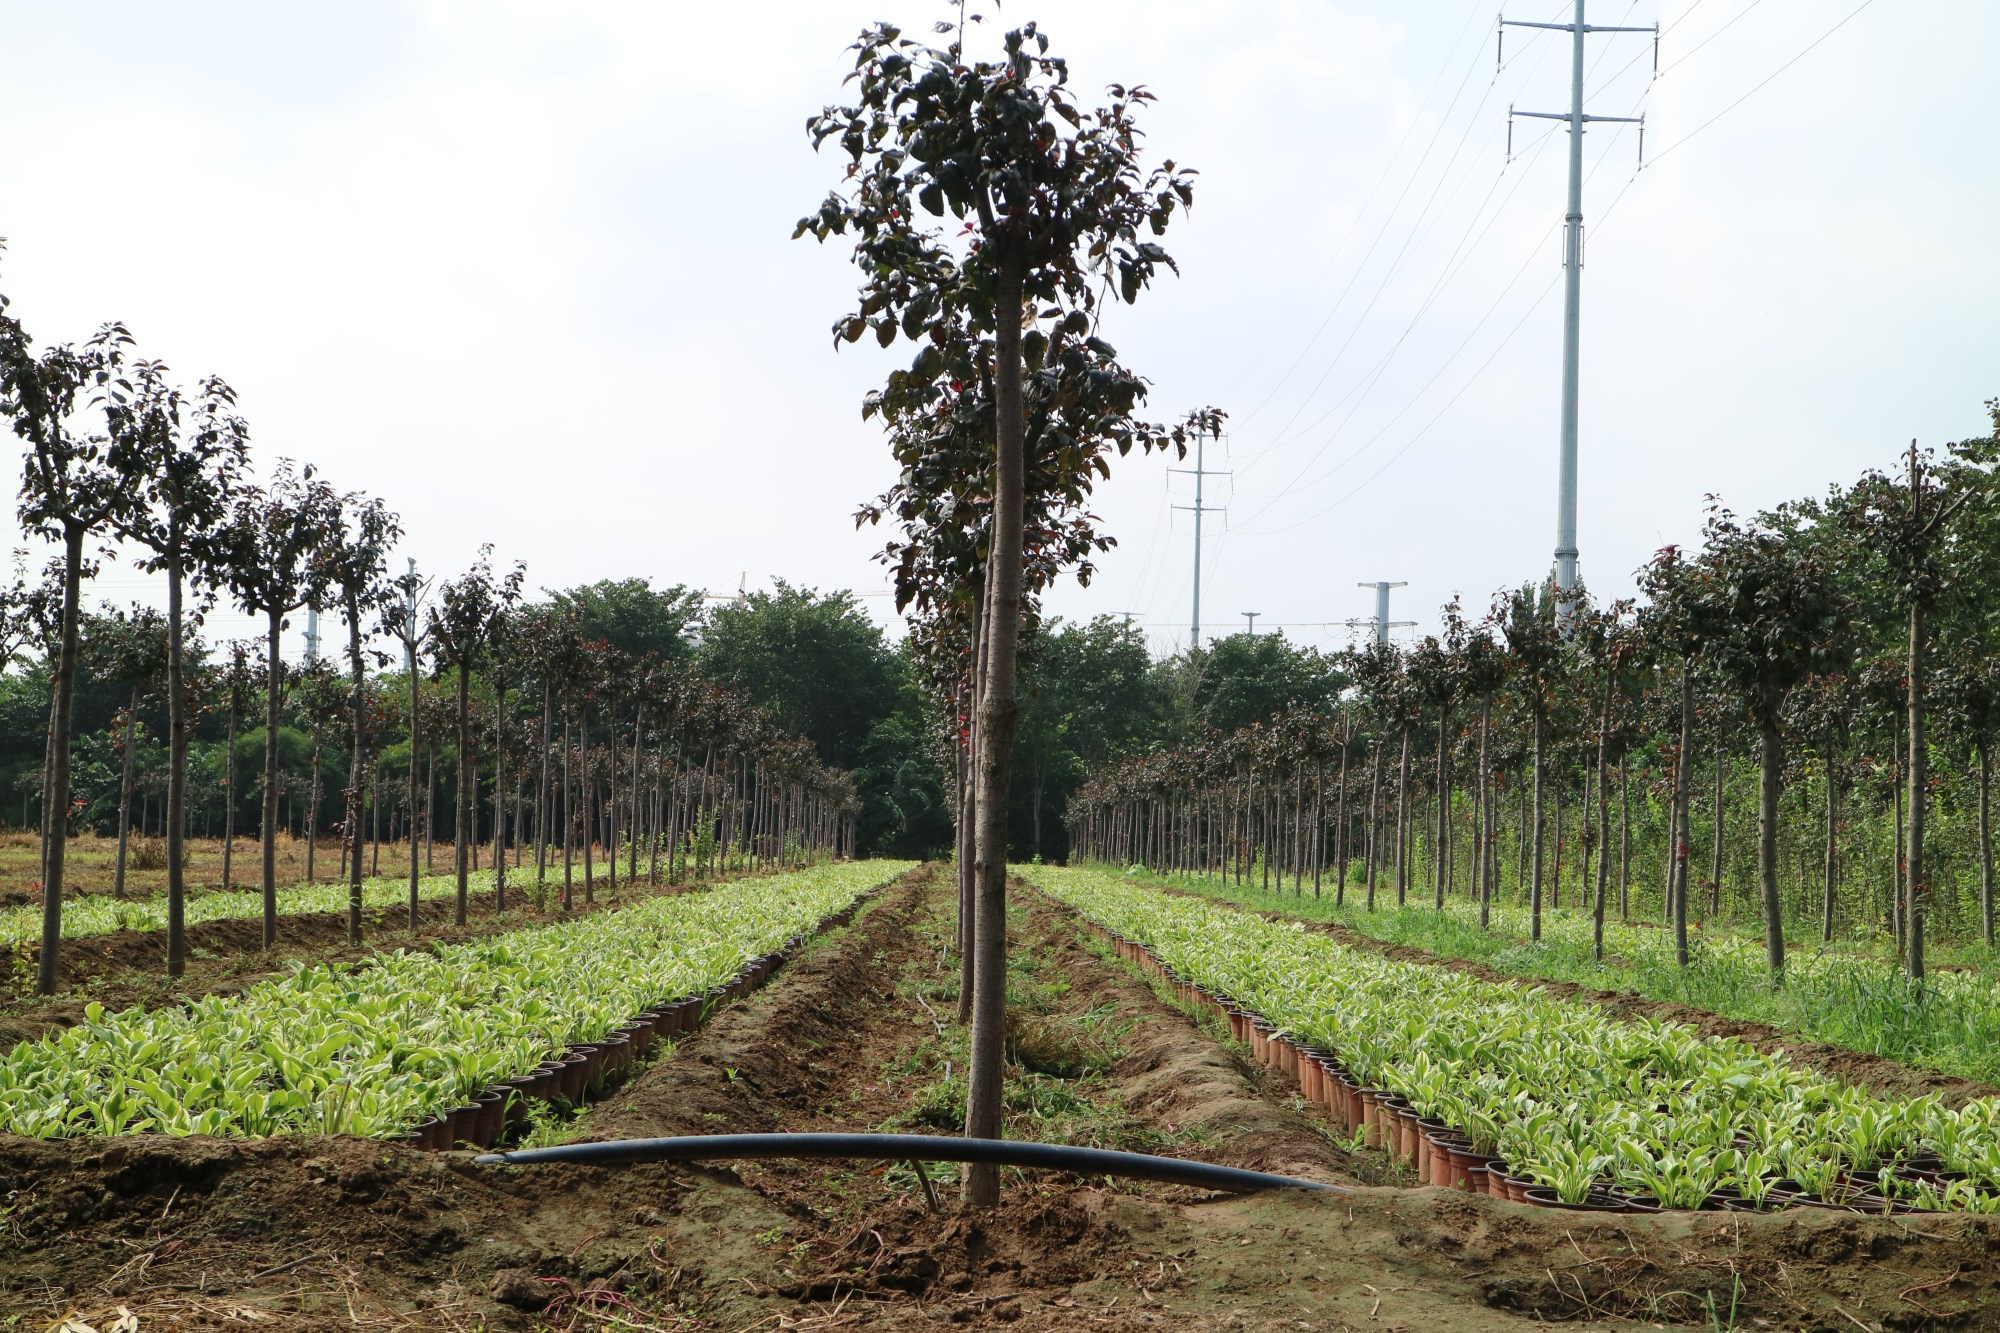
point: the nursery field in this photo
(1843, 994)
(92, 862)
(217, 1199)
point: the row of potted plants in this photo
(1456, 1073)
(586, 1069)
(374, 1049)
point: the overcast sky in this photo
(524, 270)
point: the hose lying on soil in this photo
(913, 1147)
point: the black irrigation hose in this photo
(913, 1148)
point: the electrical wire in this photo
(1381, 232)
(1388, 169)
(1679, 60)
(1761, 82)
(1415, 398)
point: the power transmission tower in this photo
(409, 640)
(1572, 261)
(1198, 471)
(1381, 623)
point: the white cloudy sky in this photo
(524, 270)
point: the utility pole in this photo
(1198, 471)
(1566, 552)
(1382, 623)
(1250, 618)
(312, 634)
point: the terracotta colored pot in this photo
(569, 1079)
(492, 1117)
(1516, 1189)
(1468, 1168)
(1543, 1197)
(465, 1124)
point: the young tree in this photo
(1055, 216)
(1777, 613)
(1909, 524)
(461, 631)
(130, 650)
(69, 493)
(180, 458)
(1529, 624)
(271, 548)
(402, 619)
(353, 564)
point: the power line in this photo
(1388, 169)
(1761, 82)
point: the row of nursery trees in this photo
(582, 744)
(1809, 686)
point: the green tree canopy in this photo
(635, 617)
(817, 661)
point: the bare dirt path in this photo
(856, 1033)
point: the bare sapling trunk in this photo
(125, 796)
(1770, 761)
(1919, 765)
(1403, 823)
(1985, 841)
(55, 798)
(415, 738)
(357, 773)
(1603, 818)
(463, 804)
(1831, 880)
(1677, 835)
(1483, 856)
(1535, 833)
(1374, 822)
(229, 792)
(499, 798)
(998, 713)
(274, 701)
(177, 752)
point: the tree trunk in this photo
(1832, 863)
(177, 752)
(1985, 841)
(568, 816)
(1340, 830)
(350, 832)
(125, 797)
(1677, 836)
(1624, 841)
(55, 799)
(416, 729)
(998, 711)
(274, 702)
(1374, 823)
(1603, 817)
(1920, 888)
(1403, 822)
(462, 802)
(499, 797)
(228, 791)
(1715, 854)
(1770, 759)
(1483, 816)
(1535, 834)
(1439, 858)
